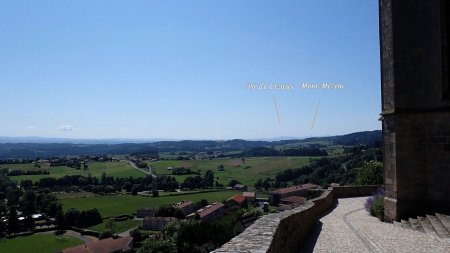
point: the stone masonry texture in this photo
(415, 108)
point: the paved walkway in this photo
(349, 228)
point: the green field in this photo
(116, 205)
(255, 168)
(115, 169)
(119, 226)
(74, 195)
(42, 243)
(175, 155)
(259, 168)
(25, 166)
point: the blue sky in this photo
(180, 69)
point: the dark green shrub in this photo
(375, 204)
(378, 209)
(106, 234)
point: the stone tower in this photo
(414, 40)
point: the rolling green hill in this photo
(34, 150)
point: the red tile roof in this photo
(183, 204)
(238, 198)
(295, 188)
(109, 245)
(160, 219)
(209, 209)
(294, 199)
(249, 194)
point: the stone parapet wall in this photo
(354, 191)
(267, 233)
(285, 231)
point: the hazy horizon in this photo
(49, 140)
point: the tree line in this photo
(198, 181)
(342, 170)
(303, 151)
(196, 236)
(324, 171)
(26, 172)
(27, 204)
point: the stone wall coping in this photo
(260, 237)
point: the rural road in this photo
(127, 233)
(149, 172)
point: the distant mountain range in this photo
(46, 140)
(32, 147)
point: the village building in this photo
(157, 223)
(109, 245)
(298, 190)
(146, 212)
(209, 212)
(293, 200)
(237, 200)
(240, 187)
(250, 196)
(186, 206)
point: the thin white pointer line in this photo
(276, 109)
(315, 115)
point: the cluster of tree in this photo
(324, 171)
(183, 158)
(104, 184)
(27, 203)
(148, 153)
(16, 161)
(26, 172)
(355, 149)
(183, 171)
(31, 202)
(371, 139)
(370, 174)
(73, 162)
(263, 184)
(99, 158)
(6, 183)
(194, 236)
(233, 182)
(82, 219)
(140, 164)
(303, 151)
(193, 183)
(28, 150)
(170, 211)
(198, 181)
(166, 183)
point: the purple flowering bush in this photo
(375, 204)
